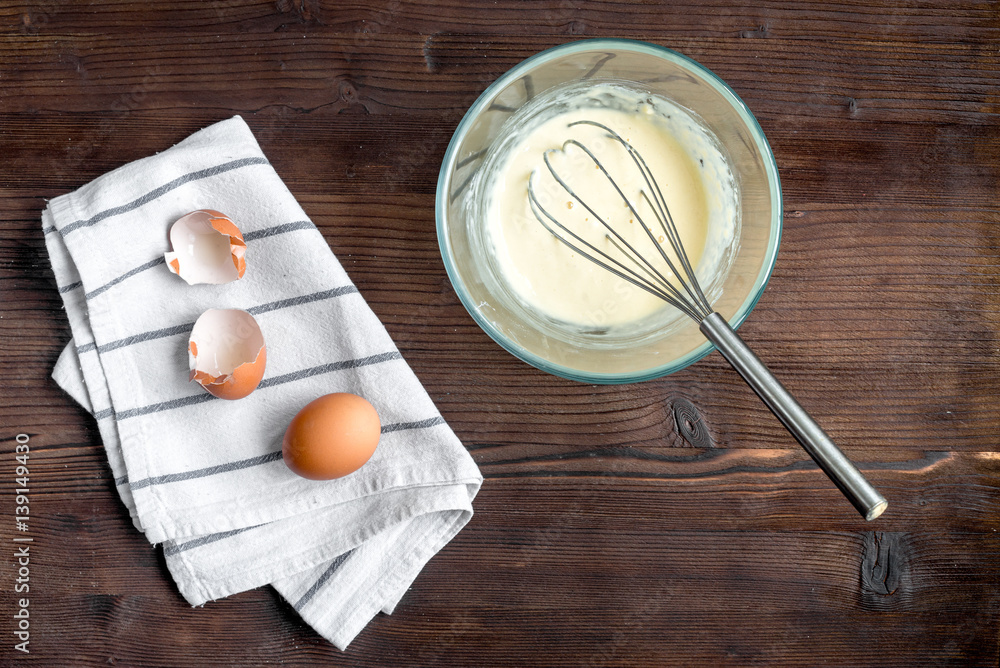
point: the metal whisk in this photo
(687, 296)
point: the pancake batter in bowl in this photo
(552, 279)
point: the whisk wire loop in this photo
(609, 263)
(658, 205)
(660, 286)
(591, 210)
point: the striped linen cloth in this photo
(204, 476)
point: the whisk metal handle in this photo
(824, 451)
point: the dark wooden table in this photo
(605, 533)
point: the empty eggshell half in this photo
(207, 248)
(227, 353)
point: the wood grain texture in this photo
(672, 522)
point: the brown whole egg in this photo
(331, 436)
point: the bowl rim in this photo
(619, 44)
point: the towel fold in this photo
(204, 476)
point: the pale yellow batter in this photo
(544, 273)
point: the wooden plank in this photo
(847, 19)
(559, 562)
(407, 74)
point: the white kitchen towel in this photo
(204, 476)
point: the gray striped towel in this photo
(204, 476)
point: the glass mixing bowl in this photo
(598, 356)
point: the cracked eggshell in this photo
(227, 353)
(207, 248)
